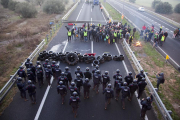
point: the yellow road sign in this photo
(167, 57)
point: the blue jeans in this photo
(156, 44)
(85, 38)
(100, 37)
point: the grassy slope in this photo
(158, 61)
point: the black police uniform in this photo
(128, 79)
(140, 76)
(160, 80)
(116, 76)
(109, 93)
(62, 90)
(125, 93)
(74, 101)
(117, 85)
(57, 73)
(22, 88)
(48, 74)
(80, 72)
(32, 92)
(88, 75)
(39, 74)
(86, 87)
(97, 80)
(106, 79)
(133, 87)
(79, 83)
(74, 89)
(31, 76)
(141, 85)
(22, 73)
(63, 79)
(68, 75)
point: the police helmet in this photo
(66, 68)
(60, 82)
(142, 71)
(148, 99)
(125, 83)
(21, 67)
(30, 63)
(57, 66)
(97, 66)
(98, 71)
(46, 60)
(48, 66)
(29, 82)
(130, 73)
(53, 62)
(106, 72)
(29, 69)
(78, 68)
(28, 59)
(78, 75)
(117, 71)
(62, 74)
(19, 79)
(87, 69)
(72, 83)
(38, 62)
(109, 85)
(87, 80)
(39, 66)
(134, 81)
(74, 93)
(143, 79)
(161, 74)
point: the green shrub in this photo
(164, 8)
(26, 10)
(154, 3)
(177, 8)
(12, 5)
(4, 3)
(53, 7)
(133, 1)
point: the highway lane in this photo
(171, 46)
(92, 108)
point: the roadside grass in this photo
(155, 62)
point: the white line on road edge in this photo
(146, 118)
(79, 12)
(91, 46)
(91, 20)
(43, 100)
(104, 17)
(65, 46)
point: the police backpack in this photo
(108, 93)
(149, 106)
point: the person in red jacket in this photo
(143, 27)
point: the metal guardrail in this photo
(151, 88)
(67, 14)
(10, 83)
(107, 14)
(167, 19)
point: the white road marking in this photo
(146, 118)
(91, 46)
(104, 17)
(79, 12)
(65, 46)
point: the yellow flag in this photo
(122, 16)
(167, 57)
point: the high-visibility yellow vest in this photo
(115, 34)
(107, 37)
(120, 35)
(163, 37)
(99, 25)
(161, 27)
(130, 38)
(85, 34)
(69, 33)
(155, 36)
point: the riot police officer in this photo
(87, 74)
(21, 86)
(142, 84)
(31, 75)
(79, 82)
(39, 74)
(140, 76)
(68, 74)
(27, 63)
(32, 91)
(79, 71)
(53, 65)
(62, 90)
(48, 73)
(95, 69)
(74, 101)
(125, 93)
(73, 88)
(118, 83)
(117, 74)
(106, 79)
(46, 63)
(32, 68)
(97, 80)
(57, 72)
(109, 93)
(160, 79)
(38, 63)
(63, 78)
(86, 87)
(146, 105)
(129, 78)
(21, 73)
(133, 87)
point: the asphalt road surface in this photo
(49, 107)
(171, 47)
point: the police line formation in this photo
(47, 69)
